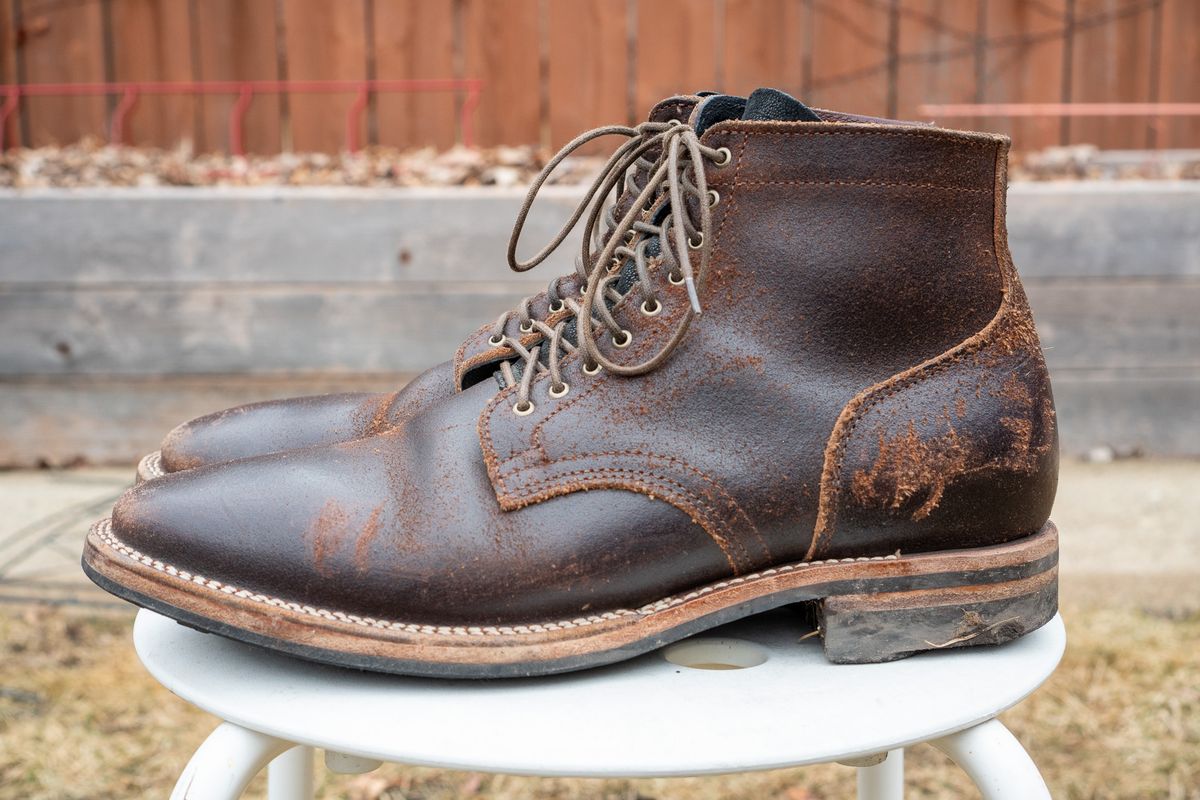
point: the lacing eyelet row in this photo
(676, 186)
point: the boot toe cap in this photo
(272, 426)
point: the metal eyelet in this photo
(726, 156)
(615, 266)
(557, 306)
(523, 413)
(698, 243)
(651, 310)
(496, 341)
(566, 387)
(673, 280)
(592, 370)
(625, 341)
(714, 197)
(526, 327)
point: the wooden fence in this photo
(554, 67)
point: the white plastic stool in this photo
(647, 717)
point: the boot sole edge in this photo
(869, 610)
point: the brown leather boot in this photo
(290, 424)
(860, 418)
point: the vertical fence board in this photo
(415, 39)
(555, 67)
(1025, 66)
(1111, 64)
(676, 42)
(58, 44)
(937, 56)
(236, 40)
(151, 41)
(762, 46)
(502, 45)
(1179, 71)
(849, 57)
(588, 69)
(324, 41)
(8, 68)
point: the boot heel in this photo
(870, 628)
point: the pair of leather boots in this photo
(794, 364)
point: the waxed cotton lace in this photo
(660, 212)
(629, 187)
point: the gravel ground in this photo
(91, 163)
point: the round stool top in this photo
(645, 717)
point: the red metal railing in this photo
(976, 110)
(245, 92)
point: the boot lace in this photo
(660, 213)
(637, 151)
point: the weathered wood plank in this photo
(502, 45)
(58, 422)
(195, 236)
(1119, 229)
(269, 329)
(147, 331)
(415, 39)
(60, 43)
(588, 73)
(937, 51)
(1178, 66)
(8, 67)
(1025, 67)
(849, 58)
(762, 44)
(1088, 324)
(676, 43)
(69, 419)
(236, 40)
(1111, 65)
(1148, 412)
(151, 41)
(324, 41)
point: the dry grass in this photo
(79, 718)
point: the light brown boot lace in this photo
(679, 169)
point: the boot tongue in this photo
(772, 104)
(717, 108)
(763, 104)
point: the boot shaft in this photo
(864, 375)
(878, 264)
(866, 248)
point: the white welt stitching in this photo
(151, 466)
(103, 529)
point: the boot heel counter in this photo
(960, 451)
(963, 453)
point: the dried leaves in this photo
(91, 163)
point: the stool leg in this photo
(883, 781)
(995, 761)
(229, 758)
(290, 775)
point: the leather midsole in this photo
(1022, 566)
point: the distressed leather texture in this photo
(864, 378)
(281, 425)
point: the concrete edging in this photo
(145, 291)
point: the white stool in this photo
(645, 717)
